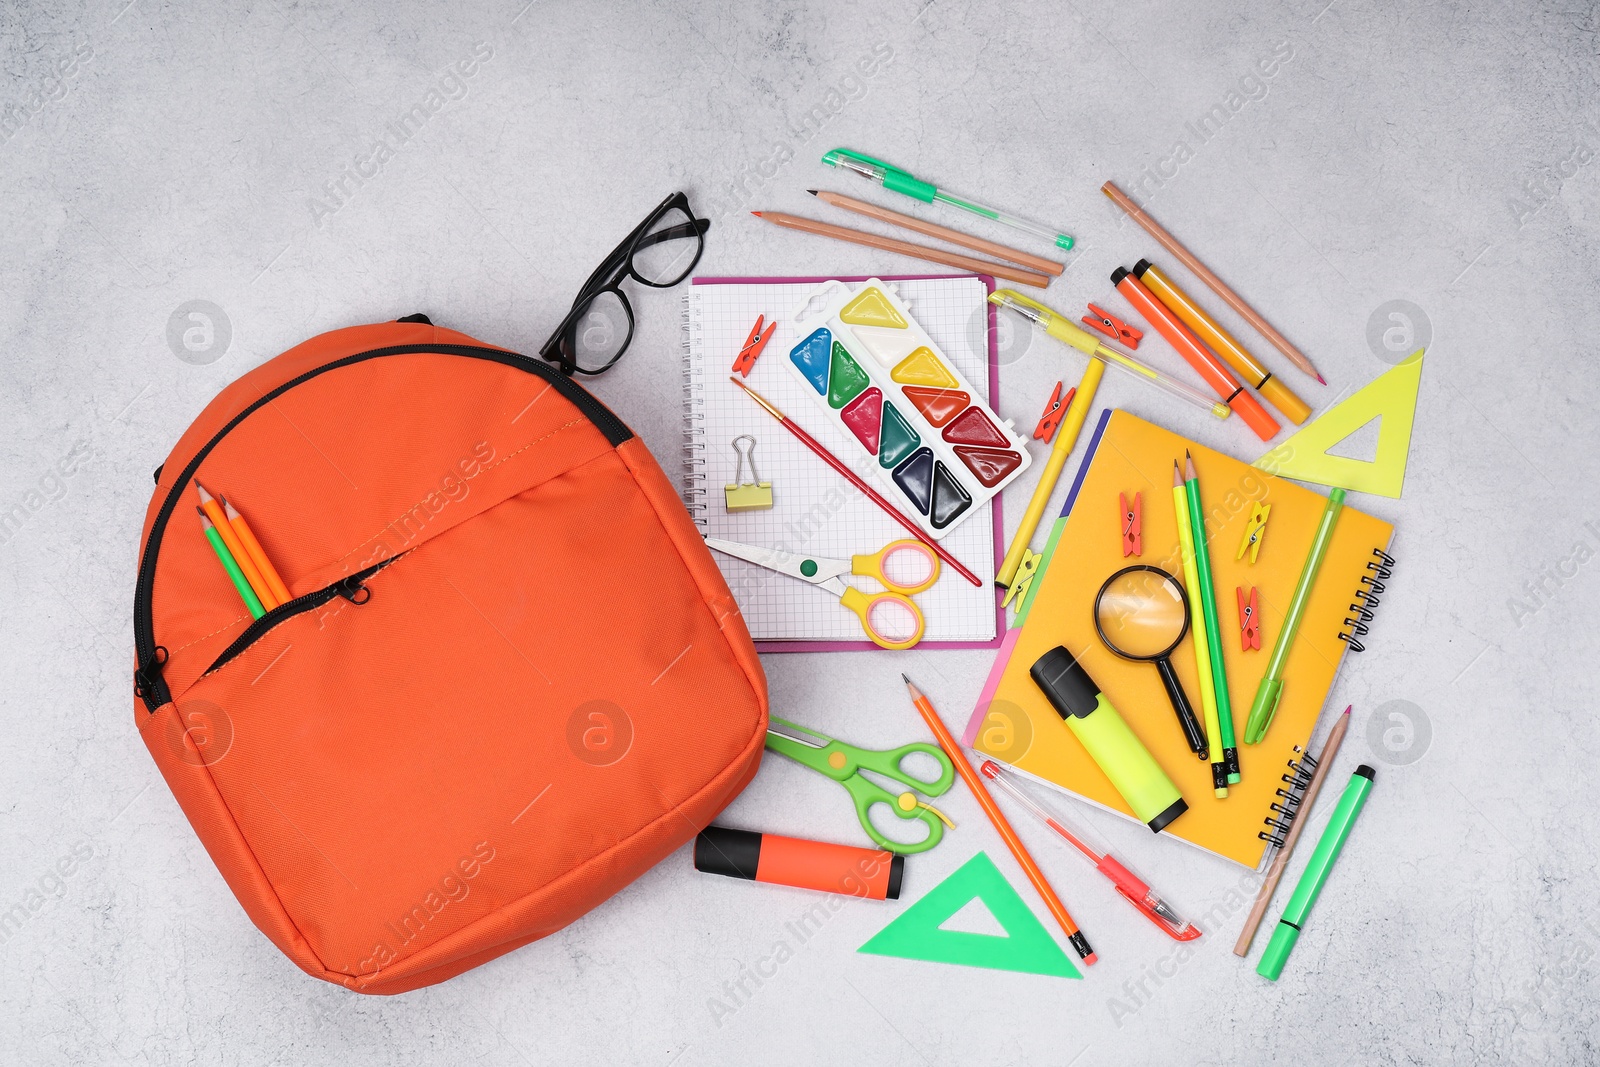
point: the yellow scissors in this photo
(889, 618)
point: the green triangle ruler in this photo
(1026, 947)
(1390, 397)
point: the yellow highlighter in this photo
(1099, 354)
(1222, 343)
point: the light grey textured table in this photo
(1444, 155)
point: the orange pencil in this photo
(225, 531)
(996, 816)
(258, 555)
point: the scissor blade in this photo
(796, 733)
(796, 566)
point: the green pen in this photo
(896, 180)
(1287, 932)
(251, 601)
(1271, 688)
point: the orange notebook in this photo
(1015, 724)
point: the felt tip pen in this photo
(1287, 932)
(1134, 889)
(900, 181)
(1068, 333)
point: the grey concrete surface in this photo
(1444, 155)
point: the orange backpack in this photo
(509, 678)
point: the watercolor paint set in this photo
(939, 445)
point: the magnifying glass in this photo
(1141, 613)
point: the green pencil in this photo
(1208, 610)
(251, 601)
(1266, 704)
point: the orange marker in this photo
(873, 873)
(1198, 356)
(258, 555)
(996, 816)
(225, 531)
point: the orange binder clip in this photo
(1132, 519)
(1113, 327)
(753, 346)
(1249, 620)
(1054, 412)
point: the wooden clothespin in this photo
(1018, 590)
(1054, 412)
(1113, 327)
(1249, 619)
(1132, 521)
(1254, 527)
(754, 345)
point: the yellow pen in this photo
(1068, 332)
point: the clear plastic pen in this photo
(1137, 892)
(1069, 333)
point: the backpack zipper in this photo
(352, 587)
(148, 684)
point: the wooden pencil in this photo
(943, 233)
(1216, 284)
(1280, 862)
(905, 248)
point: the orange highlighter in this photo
(1243, 403)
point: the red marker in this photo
(1198, 355)
(856, 872)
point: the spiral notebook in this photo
(1014, 723)
(814, 509)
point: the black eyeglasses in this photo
(660, 252)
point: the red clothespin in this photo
(1249, 620)
(1054, 412)
(1113, 327)
(1132, 519)
(753, 346)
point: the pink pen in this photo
(1139, 894)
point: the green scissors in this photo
(844, 764)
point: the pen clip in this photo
(1188, 932)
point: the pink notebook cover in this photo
(995, 514)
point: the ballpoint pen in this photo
(896, 180)
(1126, 882)
(1068, 332)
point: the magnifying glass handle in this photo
(1192, 733)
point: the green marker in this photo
(251, 601)
(1287, 931)
(896, 180)
(1266, 705)
(1208, 608)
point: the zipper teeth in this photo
(259, 628)
(145, 649)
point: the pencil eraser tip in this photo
(1091, 958)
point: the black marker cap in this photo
(1118, 274)
(722, 850)
(897, 874)
(1366, 772)
(1065, 683)
(1162, 821)
(1140, 267)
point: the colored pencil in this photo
(1208, 604)
(257, 554)
(229, 564)
(854, 479)
(1216, 284)
(1280, 862)
(1202, 638)
(943, 233)
(1002, 826)
(214, 512)
(905, 248)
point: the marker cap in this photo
(1284, 935)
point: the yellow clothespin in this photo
(754, 495)
(1254, 527)
(1018, 589)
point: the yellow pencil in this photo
(1202, 639)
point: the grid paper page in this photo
(815, 511)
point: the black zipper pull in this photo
(352, 590)
(148, 675)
